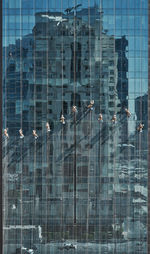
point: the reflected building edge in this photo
(85, 181)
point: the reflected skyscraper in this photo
(76, 179)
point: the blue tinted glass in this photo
(75, 110)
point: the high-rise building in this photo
(75, 127)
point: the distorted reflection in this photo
(75, 80)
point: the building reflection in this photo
(84, 180)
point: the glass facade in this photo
(75, 128)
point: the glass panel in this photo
(75, 110)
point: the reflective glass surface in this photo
(75, 109)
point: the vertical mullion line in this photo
(74, 102)
(141, 106)
(4, 167)
(21, 141)
(62, 140)
(115, 134)
(47, 135)
(34, 146)
(105, 126)
(128, 141)
(93, 175)
(100, 129)
(1, 183)
(79, 175)
(89, 123)
(54, 226)
(148, 228)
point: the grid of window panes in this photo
(81, 183)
